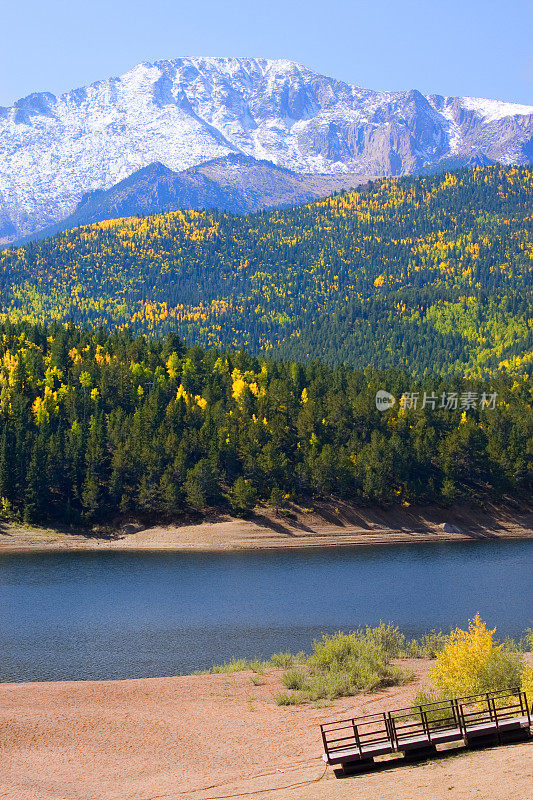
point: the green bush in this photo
(522, 645)
(286, 660)
(388, 637)
(295, 679)
(427, 646)
(526, 642)
(287, 699)
(344, 664)
(503, 671)
(350, 652)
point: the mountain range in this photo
(184, 112)
(235, 183)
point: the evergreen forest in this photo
(95, 424)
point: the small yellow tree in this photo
(527, 683)
(473, 661)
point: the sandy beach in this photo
(216, 736)
(325, 526)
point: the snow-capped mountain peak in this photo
(186, 111)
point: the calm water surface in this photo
(129, 615)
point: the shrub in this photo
(427, 646)
(473, 662)
(522, 645)
(295, 679)
(425, 696)
(329, 685)
(287, 699)
(393, 641)
(346, 663)
(287, 659)
(342, 665)
(348, 651)
(388, 637)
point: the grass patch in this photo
(277, 660)
(322, 703)
(238, 665)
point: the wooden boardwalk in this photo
(490, 718)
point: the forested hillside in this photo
(94, 424)
(431, 274)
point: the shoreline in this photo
(326, 526)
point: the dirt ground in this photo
(217, 736)
(324, 526)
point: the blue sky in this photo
(459, 47)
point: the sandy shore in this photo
(215, 736)
(326, 525)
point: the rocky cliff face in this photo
(186, 111)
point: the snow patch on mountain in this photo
(491, 110)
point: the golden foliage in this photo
(473, 662)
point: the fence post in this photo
(490, 707)
(392, 732)
(527, 709)
(357, 739)
(425, 724)
(462, 720)
(455, 714)
(324, 741)
(496, 720)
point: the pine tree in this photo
(92, 497)
(242, 497)
(35, 498)
(7, 465)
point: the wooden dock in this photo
(489, 718)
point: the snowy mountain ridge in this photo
(186, 111)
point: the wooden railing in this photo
(425, 726)
(359, 733)
(428, 720)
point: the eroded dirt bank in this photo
(324, 526)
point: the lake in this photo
(89, 615)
